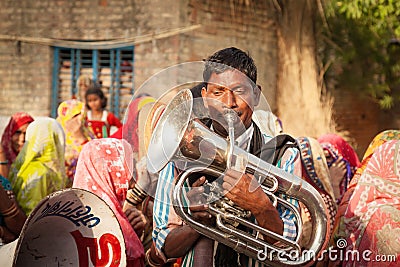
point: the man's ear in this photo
(257, 94)
(204, 96)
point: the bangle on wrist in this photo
(11, 211)
(4, 162)
(135, 196)
(130, 202)
(150, 261)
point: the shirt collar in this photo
(243, 140)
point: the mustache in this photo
(221, 116)
(224, 122)
(218, 114)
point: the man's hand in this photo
(197, 202)
(244, 190)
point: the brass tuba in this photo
(179, 137)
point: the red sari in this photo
(16, 121)
(105, 168)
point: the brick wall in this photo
(25, 73)
(359, 119)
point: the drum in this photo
(71, 227)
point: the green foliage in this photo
(363, 55)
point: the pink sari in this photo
(372, 218)
(378, 140)
(105, 167)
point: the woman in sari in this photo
(372, 218)
(72, 117)
(12, 140)
(39, 168)
(315, 171)
(339, 226)
(105, 167)
(342, 162)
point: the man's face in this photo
(230, 90)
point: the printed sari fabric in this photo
(66, 111)
(315, 171)
(337, 147)
(380, 139)
(39, 168)
(130, 128)
(105, 168)
(372, 219)
(16, 121)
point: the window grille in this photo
(112, 68)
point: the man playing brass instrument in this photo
(230, 87)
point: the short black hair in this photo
(95, 89)
(227, 58)
(199, 109)
(196, 89)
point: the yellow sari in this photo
(66, 111)
(39, 168)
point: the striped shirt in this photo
(165, 219)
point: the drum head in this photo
(71, 227)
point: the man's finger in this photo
(199, 181)
(203, 215)
(227, 194)
(198, 208)
(195, 193)
(227, 186)
(230, 179)
(233, 174)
